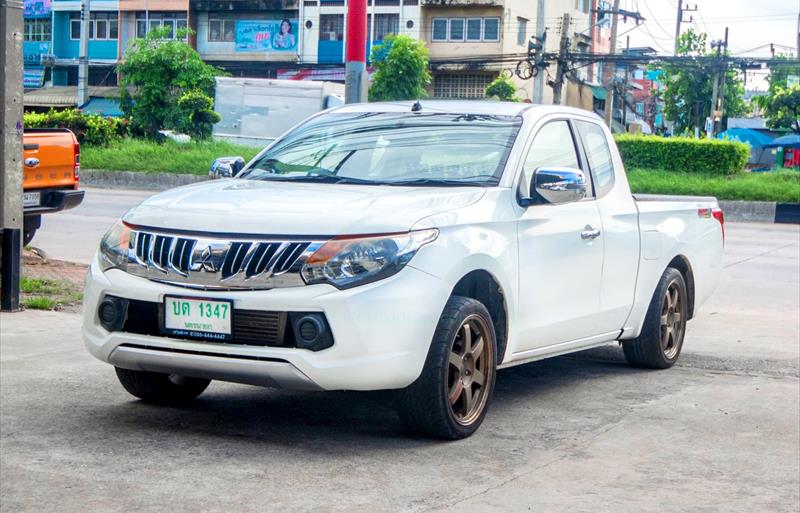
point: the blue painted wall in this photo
(332, 52)
(66, 48)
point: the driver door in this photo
(560, 270)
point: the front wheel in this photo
(451, 396)
(661, 340)
(161, 388)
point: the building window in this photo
(491, 29)
(173, 21)
(385, 24)
(522, 31)
(470, 29)
(461, 85)
(456, 29)
(102, 26)
(583, 5)
(439, 29)
(37, 29)
(221, 29)
(474, 29)
(331, 27)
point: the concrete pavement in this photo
(718, 432)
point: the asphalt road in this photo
(75, 234)
(718, 432)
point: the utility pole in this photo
(723, 79)
(625, 87)
(611, 70)
(83, 55)
(720, 70)
(538, 90)
(11, 153)
(561, 69)
(355, 71)
(681, 9)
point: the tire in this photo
(159, 388)
(458, 365)
(661, 340)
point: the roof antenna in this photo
(416, 107)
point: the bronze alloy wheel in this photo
(470, 370)
(673, 323)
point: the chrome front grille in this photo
(218, 263)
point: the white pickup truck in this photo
(408, 247)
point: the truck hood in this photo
(285, 208)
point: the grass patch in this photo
(166, 157)
(782, 186)
(46, 294)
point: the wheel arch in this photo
(682, 264)
(483, 286)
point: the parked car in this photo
(50, 176)
(384, 247)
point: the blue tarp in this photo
(754, 138)
(787, 141)
(103, 107)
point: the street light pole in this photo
(11, 219)
(355, 87)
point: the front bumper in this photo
(382, 332)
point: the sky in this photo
(752, 24)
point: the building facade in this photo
(103, 41)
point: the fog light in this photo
(112, 312)
(311, 331)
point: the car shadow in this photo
(300, 419)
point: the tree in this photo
(503, 89)
(688, 88)
(159, 71)
(783, 108)
(780, 104)
(401, 70)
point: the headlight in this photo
(345, 262)
(114, 247)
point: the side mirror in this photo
(225, 167)
(558, 185)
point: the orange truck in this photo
(51, 174)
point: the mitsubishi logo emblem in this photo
(206, 261)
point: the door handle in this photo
(589, 233)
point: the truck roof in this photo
(463, 107)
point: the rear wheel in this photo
(161, 388)
(452, 395)
(661, 340)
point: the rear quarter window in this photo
(598, 153)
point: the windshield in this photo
(391, 149)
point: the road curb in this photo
(741, 211)
(137, 180)
(761, 211)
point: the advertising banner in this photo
(36, 8)
(32, 52)
(267, 35)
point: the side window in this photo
(598, 154)
(554, 147)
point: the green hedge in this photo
(683, 154)
(88, 128)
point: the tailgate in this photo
(49, 159)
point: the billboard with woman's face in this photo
(266, 35)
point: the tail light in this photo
(76, 170)
(719, 215)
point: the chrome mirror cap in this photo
(225, 167)
(559, 185)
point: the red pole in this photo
(356, 51)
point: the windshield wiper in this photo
(322, 179)
(489, 180)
